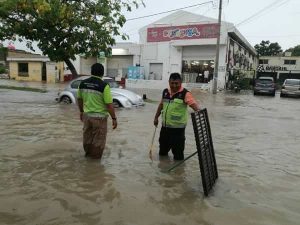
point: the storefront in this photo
(184, 42)
(279, 67)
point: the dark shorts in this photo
(172, 139)
(94, 136)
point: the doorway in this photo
(44, 72)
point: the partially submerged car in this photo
(264, 85)
(121, 97)
(290, 87)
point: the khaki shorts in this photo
(94, 136)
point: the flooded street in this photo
(45, 178)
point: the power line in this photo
(268, 7)
(275, 36)
(129, 32)
(169, 11)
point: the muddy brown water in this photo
(45, 178)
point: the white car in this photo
(121, 97)
(290, 87)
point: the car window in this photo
(292, 82)
(111, 83)
(267, 81)
(75, 84)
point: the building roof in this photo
(20, 55)
(180, 17)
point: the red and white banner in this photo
(197, 31)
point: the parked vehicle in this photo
(121, 97)
(264, 85)
(290, 87)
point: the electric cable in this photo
(155, 14)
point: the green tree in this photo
(266, 48)
(65, 28)
(295, 50)
(3, 53)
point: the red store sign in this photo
(198, 31)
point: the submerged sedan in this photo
(121, 97)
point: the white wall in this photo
(76, 64)
(279, 61)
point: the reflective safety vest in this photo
(95, 94)
(174, 112)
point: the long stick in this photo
(151, 147)
(179, 163)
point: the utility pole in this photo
(216, 70)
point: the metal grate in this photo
(205, 149)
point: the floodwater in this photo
(45, 178)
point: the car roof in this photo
(293, 79)
(265, 78)
(83, 77)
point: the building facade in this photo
(184, 42)
(25, 66)
(279, 67)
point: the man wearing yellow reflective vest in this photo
(174, 110)
(95, 104)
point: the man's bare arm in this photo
(80, 106)
(111, 111)
(158, 112)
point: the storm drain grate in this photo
(205, 150)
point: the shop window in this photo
(263, 61)
(191, 69)
(289, 62)
(23, 70)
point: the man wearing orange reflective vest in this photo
(174, 110)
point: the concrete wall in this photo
(53, 70)
(86, 64)
(171, 57)
(34, 71)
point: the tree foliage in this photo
(65, 28)
(266, 48)
(295, 50)
(3, 53)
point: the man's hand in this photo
(195, 107)
(114, 123)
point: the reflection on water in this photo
(45, 178)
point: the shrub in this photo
(2, 69)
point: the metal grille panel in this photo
(205, 150)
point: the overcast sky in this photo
(274, 20)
